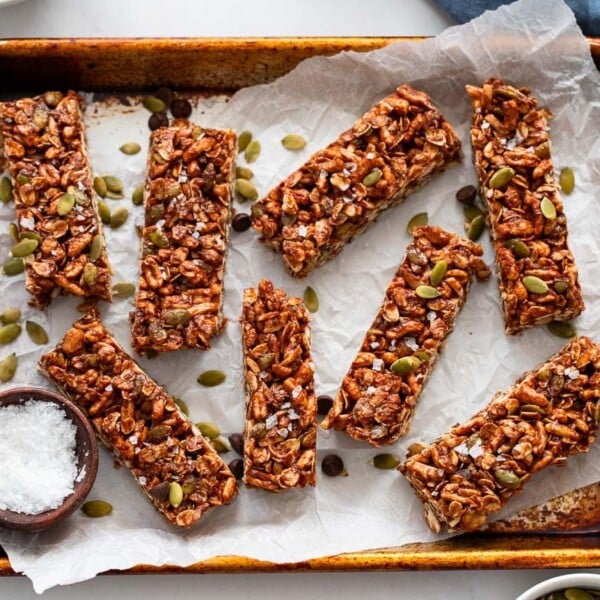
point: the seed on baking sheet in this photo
(24, 248)
(548, 209)
(252, 151)
(562, 329)
(175, 494)
(113, 184)
(567, 180)
(311, 299)
(181, 108)
(472, 211)
(115, 195)
(8, 367)
(176, 317)
(244, 173)
(130, 148)
(237, 442)
(5, 190)
(13, 231)
(13, 266)
(293, 141)
(90, 274)
(245, 189)
(324, 404)
(372, 177)
(244, 139)
(466, 194)
(211, 378)
(560, 286)
(96, 247)
(138, 195)
(154, 104)
(386, 461)
(10, 315)
(501, 177)
(96, 508)
(236, 466)
(104, 212)
(181, 404)
(159, 238)
(518, 248)
(418, 220)
(426, 292)
(476, 228)
(158, 120)
(118, 217)
(507, 478)
(208, 429)
(100, 186)
(535, 285)
(405, 365)
(415, 448)
(220, 445)
(241, 222)
(438, 272)
(36, 332)
(332, 465)
(9, 333)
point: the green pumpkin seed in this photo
(154, 104)
(104, 212)
(507, 478)
(371, 178)
(10, 315)
(40, 117)
(405, 365)
(422, 355)
(220, 445)
(113, 184)
(138, 196)
(182, 404)
(211, 378)
(175, 494)
(208, 429)
(543, 150)
(562, 329)
(13, 266)
(118, 217)
(36, 332)
(5, 190)
(518, 248)
(560, 286)
(311, 300)
(426, 292)
(177, 317)
(13, 231)
(567, 180)
(501, 177)
(531, 409)
(90, 274)
(293, 141)
(189, 487)
(264, 361)
(476, 228)
(158, 434)
(438, 272)
(259, 430)
(416, 257)
(548, 209)
(417, 220)
(130, 148)
(244, 173)
(115, 195)
(9, 333)
(245, 189)
(158, 238)
(386, 461)
(29, 235)
(578, 594)
(24, 248)
(123, 289)
(244, 139)
(472, 211)
(22, 178)
(100, 186)
(52, 98)
(535, 285)
(155, 213)
(252, 151)
(8, 367)
(96, 247)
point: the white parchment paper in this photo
(534, 43)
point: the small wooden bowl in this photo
(87, 456)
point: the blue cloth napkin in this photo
(586, 12)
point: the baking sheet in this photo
(532, 42)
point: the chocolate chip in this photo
(467, 194)
(157, 120)
(324, 404)
(236, 466)
(161, 491)
(165, 94)
(241, 222)
(332, 465)
(181, 108)
(237, 442)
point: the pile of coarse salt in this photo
(38, 464)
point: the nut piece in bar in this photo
(391, 151)
(281, 406)
(175, 466)
(549, 414)
(44, 142)
(184, 242)
(537, 274)
(380, 390)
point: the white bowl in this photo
(7, 2)
(590, 581)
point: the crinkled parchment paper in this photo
(534, 43)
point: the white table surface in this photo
(135, 18)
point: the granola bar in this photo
(44, 142)
(548, 415)
(139, 423)
(511, 150)
(281, 406)
(184, 242)
(391, 151)
(379, 392)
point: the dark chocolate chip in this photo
(181, 108)
(332, 465)
(157, 120)
(467, 194)
(161, 491)
(237, 442)
(165, 94)
(324, 404)
(241, 222)
(236, 466)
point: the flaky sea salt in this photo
(39, 464)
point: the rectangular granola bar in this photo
(379, 392)
(184, 242)
(549, 414)
(44, 142)
(391, 151)
(139, 423)
(511, 151)
(281, 407)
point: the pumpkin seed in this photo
(5, 190)
(9, 333)
(426, 292)
(211, 378)
(208, 429)
(156, 213)
(113, 184)
(423, 355)
(13, 266)
(90, 274)
(100, 186)
(36, 332)
(10, 315)
(23, 178)
(476, 228)
(158, 238)
(548, 209)
(220, 445)
(52, 98)
(416, 257)
(176, 317)
(518, 248)
(405, 365)
(578, 594)
(293, 141)
(535, 285)
(8, 367)
(311, 300)
(560, 286)
(130, 148)
(507, 478)
(175, 494)
(154, 104)
(13, 231)
(543, 150)
(531, 409)
(501, 177)
(245, 189)
(118, 217)
(567, 180)
(104, 212)
(29, 235)
(562, 329)
(417, 220)
(386, 461)
(252, 151)
(157, 434)
(259, 430)
(182, 404)
(472, 212)
(264, 361)
(138, 195)
(438, 272)
(24, 248)
(244, 173)
(96, 247)
(123, 289)
(371, 178)
(244, 139)
(189, 487)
